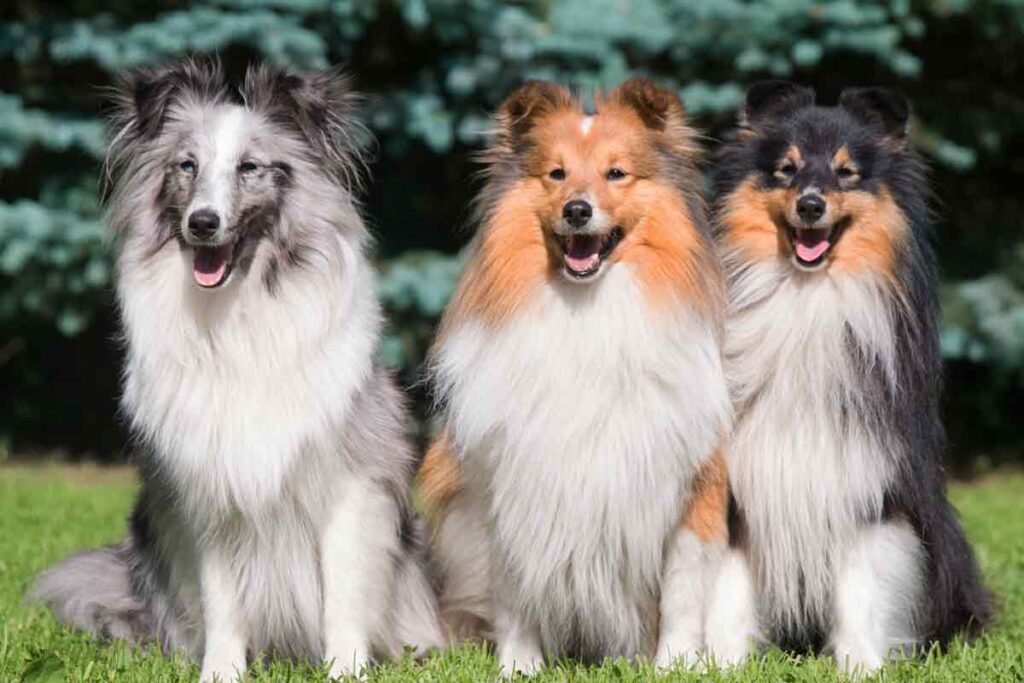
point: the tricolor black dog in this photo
(844, 540)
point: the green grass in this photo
(46, 513)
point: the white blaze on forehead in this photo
(585, 125)
(223, 147)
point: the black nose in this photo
(810, 207)
(577, 212)
(202, 224)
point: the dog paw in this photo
(350, 666)
(674, 654)
(520, 660)
(857, 661)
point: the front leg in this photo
(691, 563)
(357, 550)
(877, 597)
(517, 638)
(225, 636)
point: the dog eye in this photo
(787, 168)
(557, 174)
(615, 174)
(845, 172)
(188, 166)
(247, 167)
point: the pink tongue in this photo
(583, 253)
(211, 265)
(810, 245)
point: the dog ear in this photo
(142, 95)
(884, 108)
(321, 106)
(659, 108)
(770, 99)
(519, 112)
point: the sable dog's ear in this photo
(319, 105)
(659, 108)
(142, 95)
(771, 99)
(520, 110)
(886, 109)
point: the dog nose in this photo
(202, 224)
(577, 212)
(810, 207)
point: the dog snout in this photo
(577, 213)
(810, 208)
(203, 224)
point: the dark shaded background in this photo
(433, 68)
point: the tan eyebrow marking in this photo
(793, 154)
(842, 159)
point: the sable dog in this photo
(832, 358)
(577, 499)
(274, 513)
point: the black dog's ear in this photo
(142, 95)
(518, 113)
(884, 108)
(770, 99)
(320, 105)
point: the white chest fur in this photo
(583, 422)
(805, 464)
(232, 387)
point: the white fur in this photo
(731, 628)
(877, 597)
(804, 471)
(580, 426)
(356, 583)
(690, 568)
(227, 631)
(226, 141)
(586, 124)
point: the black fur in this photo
(873, 124)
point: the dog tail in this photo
(92, 590)
(416, 620)
(958, 599)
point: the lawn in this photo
(47, 512)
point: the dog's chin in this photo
(212, 265)
(584, 255)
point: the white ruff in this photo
(805, 466)
(582, 424)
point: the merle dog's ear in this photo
(770, 99)
(320, 105)
(659, 108)
(142, 95)
(884, 108)
(518, 113)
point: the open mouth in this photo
(584, 254)
(811, 246)
(212, 265)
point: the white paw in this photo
(351, 665)
(856, 660)
(726, 653)
(520, 659)
(220, 672)
(672, 652)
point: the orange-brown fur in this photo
(515, 251)
(754, 220)
(438, 478)
(708, 507)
